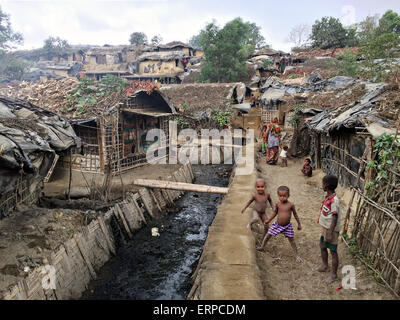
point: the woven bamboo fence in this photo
(376, 229)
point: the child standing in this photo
(284, 210)
(264, 140)
(329, 219)
(260, 197)
(284, 156)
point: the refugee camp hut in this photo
(166, 64)
(247, 117)
(114, 134)
(334, 96)
(121, 60)
(31, 141)
(188, 50)
(104, 55)
(106, 60)
(141, 113)
(61, 69)
(296, 122)
(77, 55)
(271, 100)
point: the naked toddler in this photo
(260, 198)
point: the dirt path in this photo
(282, 276)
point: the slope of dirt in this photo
(29, 236)
(199, 96)
(283, 277)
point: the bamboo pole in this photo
(85, 257)
(348, 213)
(119, 213)
(155, 200)
(119, 155)
(162, 184)
(106, 235)
(70, 174)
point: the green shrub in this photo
(348, 64)
(221, 118)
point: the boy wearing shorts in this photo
(329, 220)
(284, 210)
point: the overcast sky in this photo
(99, 22)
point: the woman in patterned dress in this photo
(274, 142)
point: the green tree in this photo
(7, 36)
(226, 50)
(348, 64)
(10, 67)
(366, 29)
(352, 39)
(156, 40)
(55, 45)
(254, 37)
(382, 46)
(195, 41)
(390, 22)
(138, 38)
(330, 33)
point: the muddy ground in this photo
(29, 234)
(151, 267)
(283, 277)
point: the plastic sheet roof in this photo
(28, 132)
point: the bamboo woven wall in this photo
(376, 229)
(340, 156)
(268, 116)
(375, 234)
(24, 193)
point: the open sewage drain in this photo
(159, 267)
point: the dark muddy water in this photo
(160, 267)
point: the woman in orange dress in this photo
(274, 142)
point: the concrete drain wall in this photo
(75, 263)
(227, 269)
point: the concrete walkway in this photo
(228, 269)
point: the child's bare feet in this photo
(298, 259)
(331, 279)
(323, 269)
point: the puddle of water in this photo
(160, 267)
